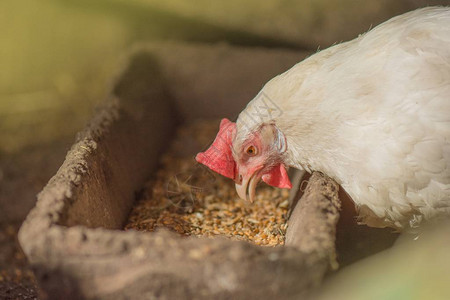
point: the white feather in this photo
(374, 114)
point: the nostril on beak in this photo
(238, 179)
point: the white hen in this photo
(372, 113)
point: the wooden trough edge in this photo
(73, 258)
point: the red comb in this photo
(218, 157)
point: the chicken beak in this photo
(241, 189)
(250, 183)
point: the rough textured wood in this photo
(312, 224)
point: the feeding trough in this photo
(74, 237)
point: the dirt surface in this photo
(16, 278)
(22, 176)
(189, 199)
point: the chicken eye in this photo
(251, 150)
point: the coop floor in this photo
(22, 176)
(16, 278)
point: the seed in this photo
(253, 221)
(284, 204)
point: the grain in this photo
(189, 199)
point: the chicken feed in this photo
(189, 199)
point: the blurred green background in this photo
(55, 64)
(57, 57)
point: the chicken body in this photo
(372, 113)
